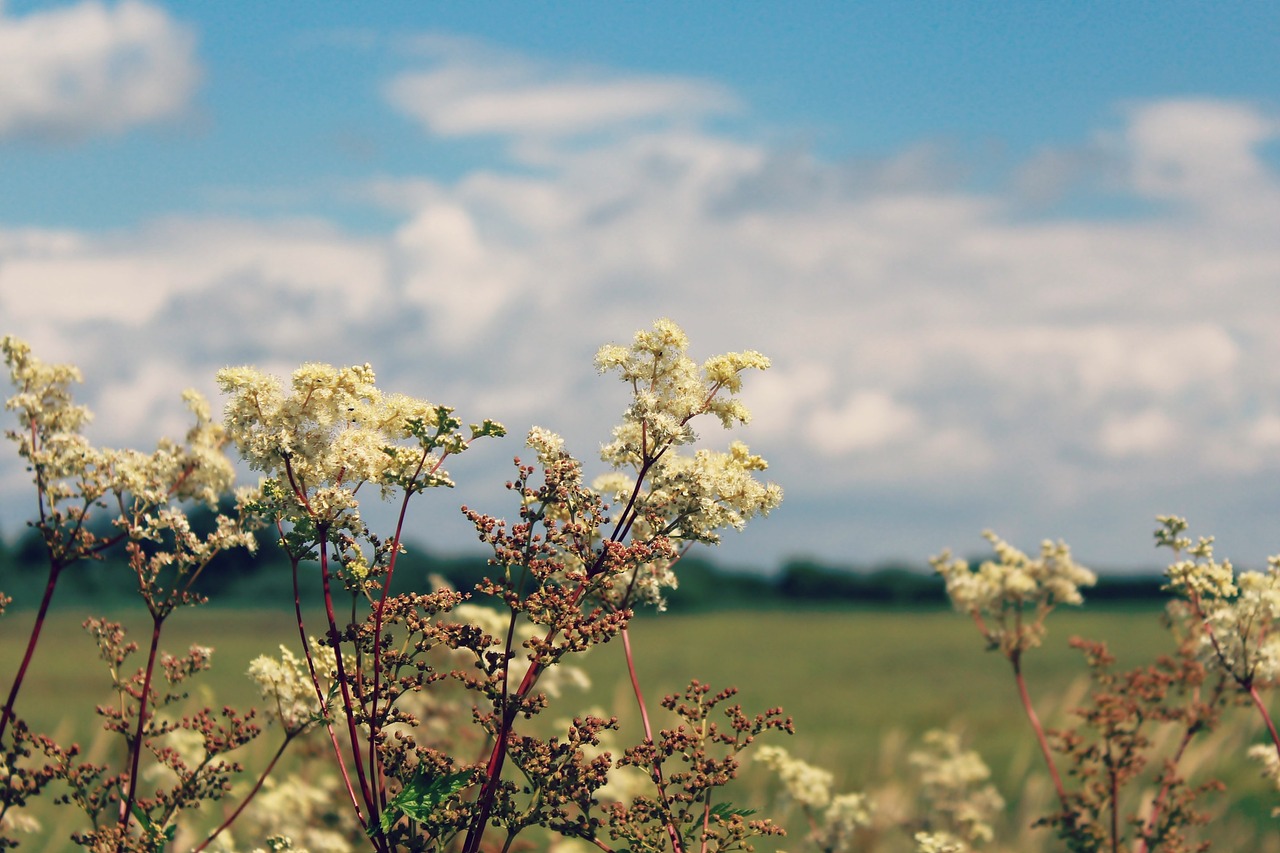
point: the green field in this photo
(861, 685)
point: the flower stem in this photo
(6, 713)
(656, 769)
(135, 748)
(1266, 717)
(288, 738)
(1015, 658)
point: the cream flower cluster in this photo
(335, 430)
(298, 812)
(1240, 612)
(938, 842)
(805, 784)
(1002, 588)
(954, 782)
(1266, 754)
(693, 496)
(72, 475)
(669, 390)
(285, 683)
(834, 818)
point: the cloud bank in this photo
(947, 357)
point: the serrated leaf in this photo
(727, 810)
(420, 797)
(723, 811)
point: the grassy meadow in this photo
(862, 686)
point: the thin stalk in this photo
(344, 685)
(1266, 717)
(1114, 778)
(288, 738)
(6, 713)
(656, 769)
(1190, 732)
(375, 765)
(126, 805)
(1015, 658)
(320, 697)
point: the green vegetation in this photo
(862, 684)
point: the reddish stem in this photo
(344, 685)
(375, 765)
(1015, 658)
(288, 738)
(1266, 717)
(6, 713)
(126, 806)
(656, 769)
(320, 697)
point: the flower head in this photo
(1001, 589)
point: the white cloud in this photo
(130, 278)
(1202, 151)
(90, 69)
(1148, 433)
(509, 96)
(868, 420)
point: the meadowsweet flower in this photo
(285, 683)
(669, 390)
(699, 495)
(297, 812)
(806, 785)
(938, 842)
(846, 814)
(1013, 582)
(20, 820)
(334, 430)
(1265, 753)
(953, 782)
(1238, 612)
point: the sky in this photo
(1017, 265)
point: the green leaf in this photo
(720, 810)
(165, 836)
(727, 810)
(420, 797)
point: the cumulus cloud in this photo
(90, 68)
(1202, 151)
(505, 95)
(1148, 433)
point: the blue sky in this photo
(1016, 264)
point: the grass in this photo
(860, 684)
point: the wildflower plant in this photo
(405, 687)
(1137, 726)
(145, 497)
(1009, 599)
